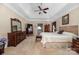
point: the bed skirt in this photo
(58, 45)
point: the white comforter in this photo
(54, 37)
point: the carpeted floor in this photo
(30, 47)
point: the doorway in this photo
(29, 29)
(53, 26)
(39, 28)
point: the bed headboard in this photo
(72, 29)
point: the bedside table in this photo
(75, 45)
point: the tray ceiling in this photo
(56, 10)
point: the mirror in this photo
(15, 25)
(39, 29)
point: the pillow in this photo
(60, 32)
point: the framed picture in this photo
(65, 19)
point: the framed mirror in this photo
(15, 25)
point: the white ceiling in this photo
(56, 10)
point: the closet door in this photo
(47, 28)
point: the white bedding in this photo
(54, 37)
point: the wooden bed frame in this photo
(72, 29)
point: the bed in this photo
(59, 40)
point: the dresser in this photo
(75, 45)
(15, 38)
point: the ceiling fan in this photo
(42, 9)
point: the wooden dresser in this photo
(15, 38)
(75, 45)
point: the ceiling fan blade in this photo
(39, 7)
(39, 12)
(45, 8)
(45, 12)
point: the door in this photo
(47, 28)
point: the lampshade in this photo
(39, 27)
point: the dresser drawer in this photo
(75, 42)
(76, 45)
(15, 38)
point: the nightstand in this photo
(75, 45)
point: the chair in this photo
(38, 36)
(2, 45)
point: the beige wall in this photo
(73, 19)
(5, 22)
